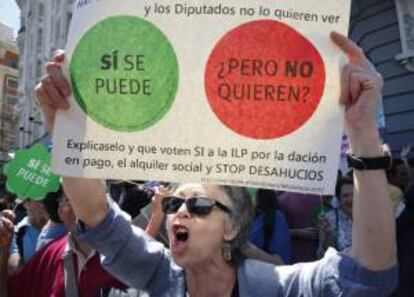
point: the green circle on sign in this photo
(124, 73)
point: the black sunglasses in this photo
(197, 205)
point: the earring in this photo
(226, 250)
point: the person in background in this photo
(397, 199)
(134, 198)
(20, 211)
(26, 233)
(151, 218)
(405, 247)
(3, 205)
(54, 228)
(336, 225)
(6, 235)
(12, 203)
(10, 200)
(270, 231)
(398, 174)
(299, 210)
(328, 203)
(410, 162)
(115, 188)
(65, 267)
(405, 153)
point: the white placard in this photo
(230, 92)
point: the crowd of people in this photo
(135, 238)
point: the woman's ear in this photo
(230, 231)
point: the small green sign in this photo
(29, 175)
(124, 73)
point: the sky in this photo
(9, 14)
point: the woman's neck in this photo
(216, 278)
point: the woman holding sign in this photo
(208, 224)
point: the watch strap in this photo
(372, 163)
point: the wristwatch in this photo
(372, 163)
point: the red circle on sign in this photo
(264, 80)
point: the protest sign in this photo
(230, 92)
(29, 175)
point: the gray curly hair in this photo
(241, 217)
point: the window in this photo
(38, 68)
(39, 38)
(11, 100)
(69, 17)
(405, 12)
(12, 83)
(41, 12)
(12, 63)
(57, 30)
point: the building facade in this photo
(385, 30)
(8, 92)
(44, 28)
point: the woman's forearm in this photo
(88, 199)
(373, 233)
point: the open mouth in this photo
(179, 242)
(181, 236)
(180, 233)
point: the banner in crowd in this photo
(29, 174)
(230, 92)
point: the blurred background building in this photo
(9, 73)
(383, 28)
(44, 28)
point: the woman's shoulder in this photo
(263, 279)
(256, 278)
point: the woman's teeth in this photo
(181, 234)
